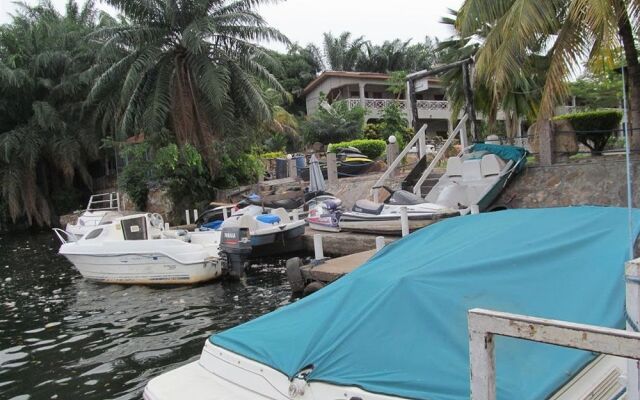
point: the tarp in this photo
(514, 153)
(398, 324)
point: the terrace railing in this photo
(378, 105)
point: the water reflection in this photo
(63, 337)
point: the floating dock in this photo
(332, 269)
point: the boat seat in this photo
(491, 165)
(454, 169)
(247, 221)
(368, 207)
(471, 170)
(453, 195)
(283, 214)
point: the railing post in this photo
(422, 144)
(332, 169)
(632, 278)
(482, 359)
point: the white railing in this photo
(104, 202)
(485, 324)
(420, 139)
(460, 129)
(378, 105)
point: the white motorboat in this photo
(474, 178)
(101, 209)
(272, 231)
(138, 249)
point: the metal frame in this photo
(64, 236)
(111, 198)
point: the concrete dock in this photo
(334, 268)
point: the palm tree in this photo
(192, 65)
(44, 141)
(574, 30)
(341, 53)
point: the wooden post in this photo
(414, 104)
(482, 358)
(332, 168)
(187, 217)
(317, 247)
(379, 243)
(404, 221)
(392, 154)
(195, 215)
(291, 167)
(545, 143)
(469, 105)
(632, 278)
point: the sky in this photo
(304, 21)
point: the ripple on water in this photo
(64, 337)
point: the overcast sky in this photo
(304, 21)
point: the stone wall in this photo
(595, 181)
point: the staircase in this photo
(410, 181)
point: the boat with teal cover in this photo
(397, 325)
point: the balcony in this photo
(427, 109)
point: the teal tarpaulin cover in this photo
(398, 324)
(516, 154)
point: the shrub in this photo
(372, 148)
(272, 154)
(135, 176)
(593, 128)
(334, 124)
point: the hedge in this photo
(593, 128)
(372, 148)
(273, 154)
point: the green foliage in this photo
(272, 155)
(598, 90)
(593, 128)
(335, 123)
(372, 148)
(46, 141)
(598, 120)
(394, 123)
(136, 175)
(299, 67)
(239, 170)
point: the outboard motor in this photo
(235, 248)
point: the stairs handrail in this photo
(418, 137)
(460, 129)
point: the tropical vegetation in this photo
(372, 148)
(594, 128)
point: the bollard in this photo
(187, 216)
(166, 226)
(224, 213)
(317, 246)
(475, 209)
(195, 215)
(404, 221)
(379, 243)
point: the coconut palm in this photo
(192, 65)
(341, 53)
(573, 30)
(44, 142)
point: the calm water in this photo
(62, 337)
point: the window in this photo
(93, 234)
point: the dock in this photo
(334, 268)
(338, 244)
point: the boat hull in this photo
(272, 244)
(151, 268)
(387, 224)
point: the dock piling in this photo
(195, 215)
(404, 221)
(379, 243)
(187, 217)
(224, 213)
(317, 246)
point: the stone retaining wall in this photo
(595, 181)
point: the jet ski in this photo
(473, 178)
(351, 162)
(324, 213)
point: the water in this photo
(62, 337)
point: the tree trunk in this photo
(625, 31)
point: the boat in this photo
(139, 249)
(271, 231)
(396, 327)
(472, 179)
(102, 208)
(324, 213)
